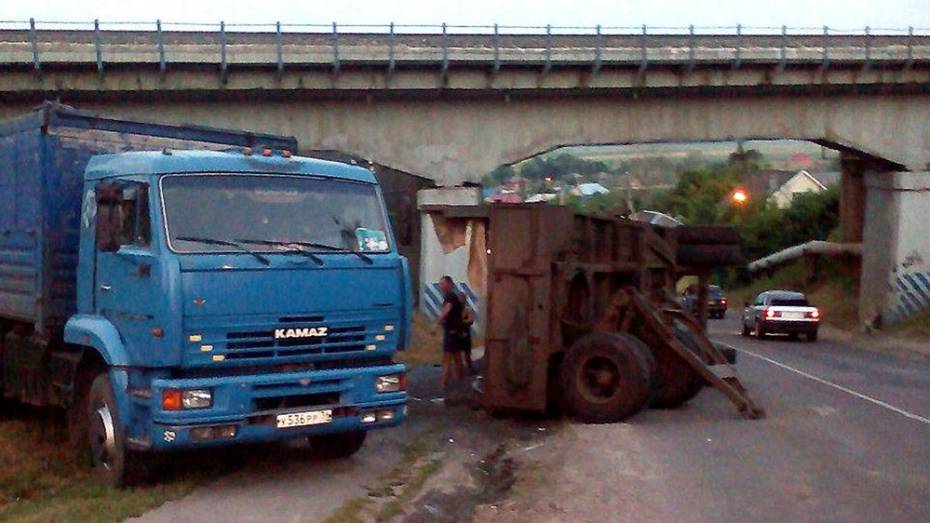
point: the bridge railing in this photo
(38, 43)
(453, 29)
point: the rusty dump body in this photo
(580, 312)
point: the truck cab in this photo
(235, 297)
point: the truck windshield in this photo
(208, 213)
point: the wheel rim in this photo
(599, 379)
(103, 437)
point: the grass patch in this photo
(917, 327)
(425, 343)
(44, 480)
(350, 512)
(388, 510)
(412, 487)
(387, 498)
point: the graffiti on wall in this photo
(912, 293)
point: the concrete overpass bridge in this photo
(453, 103)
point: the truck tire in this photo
(606, 377)
(811, 336)
(746, 331)
(113, 463)
(678, 381)
(760, 330)
(646, 359)
(337, 446)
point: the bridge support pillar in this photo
(852, 197)
(895, 278)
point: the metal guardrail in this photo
(642, 38)
(398, 29)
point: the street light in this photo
(739, 196)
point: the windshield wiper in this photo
(333, 248)
(227, 243)
(296, 247)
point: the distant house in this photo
(801, 182)
(828, 178)
(801, 161)
(514, 184)
(761, 184)
(505, 197)
(541, 197)
(587, 190)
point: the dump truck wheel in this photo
(647, 360)
(606, 377)
(337, 446)
(678, 381)
(114, 464)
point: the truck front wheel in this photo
(607, 377)
(114, 464)
(337, 446)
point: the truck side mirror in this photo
(108, 196)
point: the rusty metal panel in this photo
(524, 241)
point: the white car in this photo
(782, 312)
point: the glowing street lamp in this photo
(739, 197)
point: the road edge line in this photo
(828, 383)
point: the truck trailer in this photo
(580, 313)
(178, 287)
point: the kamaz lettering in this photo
(310, 332)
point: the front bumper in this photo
(248, 406)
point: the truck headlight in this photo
(392, 383)
(174, 399)
(197, 398)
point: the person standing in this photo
(451, 319)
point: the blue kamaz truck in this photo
(184, 287)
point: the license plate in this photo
(302, 419)
(793, 315)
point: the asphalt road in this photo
(846, 438)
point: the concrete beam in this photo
(453, 139)
(148, 79)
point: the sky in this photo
(841, 14)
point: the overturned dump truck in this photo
(580, 312)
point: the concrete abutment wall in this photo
(895, 280)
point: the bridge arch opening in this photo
(699, 182)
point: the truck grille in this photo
(269, 340)
(262, 344)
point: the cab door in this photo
(126, 289)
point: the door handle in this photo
(105, 288)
